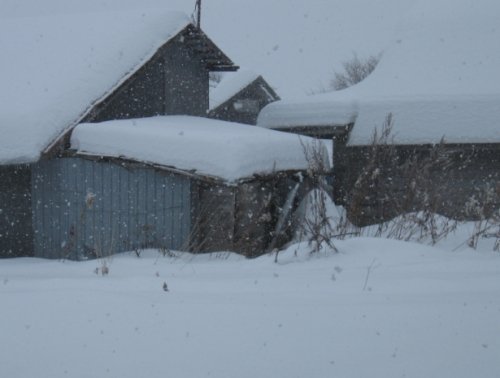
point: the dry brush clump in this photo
(317, 226)
(403, 193)
(400, 190)
(482, 206)
(354, 71)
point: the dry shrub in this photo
(482, 206)
(317, 226)
(354, 71)
(402, 193)
(399, 191)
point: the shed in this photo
(173, 182)
(240, 96)
(76, 68)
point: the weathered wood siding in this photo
(16, 235)
(241, 218)
(464, 174)
(214, 218)
(85, 209)
(245, 106)
(174, 81)
(186, 86)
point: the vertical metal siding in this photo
(133, 208)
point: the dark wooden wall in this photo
(174, 81)
(378, 185)
(213, 217)
(257, 92)
(186, 81)
(16, 232)
(241, 218)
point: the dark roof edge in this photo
(193, 174)
(318, 131)
(214, 58)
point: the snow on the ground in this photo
(227, 150)
(379, 308)
(55, 67)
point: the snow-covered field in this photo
(378, 308)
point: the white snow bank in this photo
(53, 68)
(216, 148)
(439, 79)
(417, 312)
(231, 84)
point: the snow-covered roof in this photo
(310, 111)
(428, 119)
(231, 84)
(226, 150)
(439, 79)
(54, 68)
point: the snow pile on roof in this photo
(296, 45)
(439, 79)
(428, 119)
(54, 68)
(230, 151)
(310, 111)
(231, 84)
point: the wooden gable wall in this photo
(174, 81)
(244, 106)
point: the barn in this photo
(61, 196)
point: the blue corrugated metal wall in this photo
(84, 209)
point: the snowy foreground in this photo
(379, 308)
